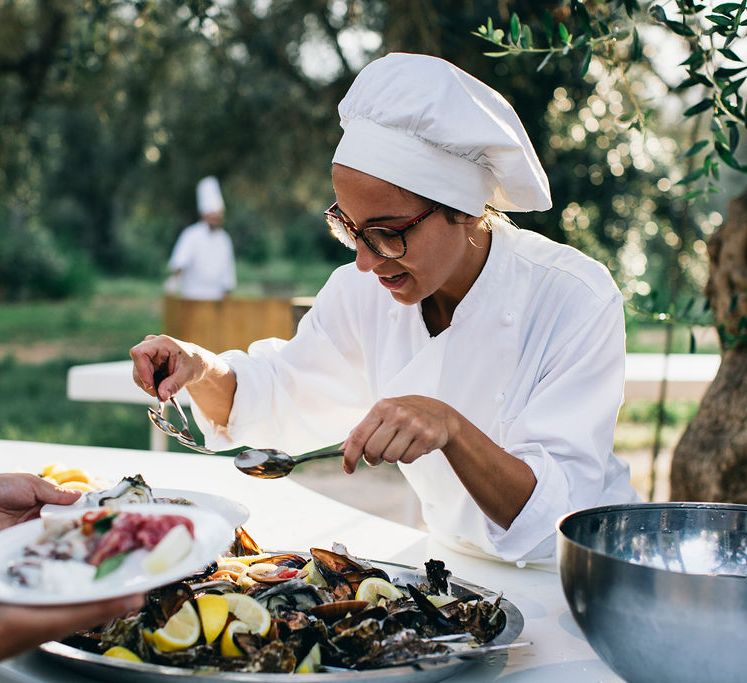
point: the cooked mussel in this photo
(296, 594)
(333, 611)
(163, 603)
(343, 573)
(244, 544)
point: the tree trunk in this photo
(710, 461)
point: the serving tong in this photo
(265, 463)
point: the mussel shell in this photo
(244, 544)
(274, 572)
(164, 602)
(340, 571)
(405, 617)
(353, 620)
(431, 612)
(359, 638)
(332, 611)
(438, 576)
(287, 560)
(484, 620)
(295, 593)
(215, 586)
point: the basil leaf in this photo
(110, 564)
(101, 526)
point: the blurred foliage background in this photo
(111, 110)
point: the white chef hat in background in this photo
(209, 197)
(425, 125)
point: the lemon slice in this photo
(180, 632)
(373, 588)
(78, 486)
(311, 662)
(440, 600)
(313, 575)
(119, 652)
(248, 610)
(213, 610)
(245, 559)
(172, 548)
(227, 646)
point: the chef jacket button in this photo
(507, 318)
(521, 564)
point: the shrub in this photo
(34, 265)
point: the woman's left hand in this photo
(400, 429)
(22, 496)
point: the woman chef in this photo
(486, 360)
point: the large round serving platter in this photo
(110, 669)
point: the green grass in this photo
(38, 410)
(650, 338)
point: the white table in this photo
(286, 515)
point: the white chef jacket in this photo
(205, 259)
(534, 357)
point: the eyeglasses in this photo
(388, 242)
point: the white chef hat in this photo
(209, 198)
(425, 125)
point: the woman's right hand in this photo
(184, 363)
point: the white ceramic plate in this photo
(235, 513)
(213, 536)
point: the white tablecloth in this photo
(287, 515)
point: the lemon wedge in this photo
(180, 632)
(73, 474)
(119, 652)
(373, 588)
(440, 600)
(311, 662)
(213, 610)
(172, 548)
(249, 611)
(313, 575)
(53, 467)
(227, 646)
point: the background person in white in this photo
(486, 361)
(202, 262)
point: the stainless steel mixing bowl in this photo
(660, 589)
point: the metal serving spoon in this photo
(269, 463)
